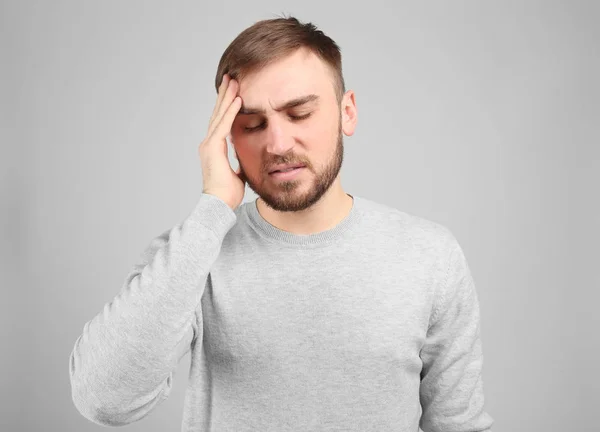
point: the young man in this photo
(307, 309)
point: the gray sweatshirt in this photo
(372, 325)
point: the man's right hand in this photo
(218, 177)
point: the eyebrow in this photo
(244, 110)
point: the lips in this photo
(284, 167)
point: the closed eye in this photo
(262, 125)
(300, 117)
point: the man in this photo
(307, 309)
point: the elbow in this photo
(88, 404)
(104, 405)
(116, 412)
(90, 408)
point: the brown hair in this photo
(269, 40)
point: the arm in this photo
(122, 365)
(451, 391)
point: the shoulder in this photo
(421, 232)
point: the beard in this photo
(287, 195)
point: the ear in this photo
(349, 113)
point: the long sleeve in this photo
(451, 391)
(122, 364)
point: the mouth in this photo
(285, 169)
(287, 173)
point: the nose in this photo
(279, 140)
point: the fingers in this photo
(221, 94)
(223, 127)
(225, 101)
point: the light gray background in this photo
(480, 115)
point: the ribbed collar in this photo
(274, 234)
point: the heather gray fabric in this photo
(370, 326)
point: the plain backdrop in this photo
(482, 116)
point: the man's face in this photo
(278, 138)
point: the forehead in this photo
(298, 74)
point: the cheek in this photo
(320, 133)
(239, 139)
(328, 123)
(244, 151)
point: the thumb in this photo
(239, 173)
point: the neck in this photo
(325, 214)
